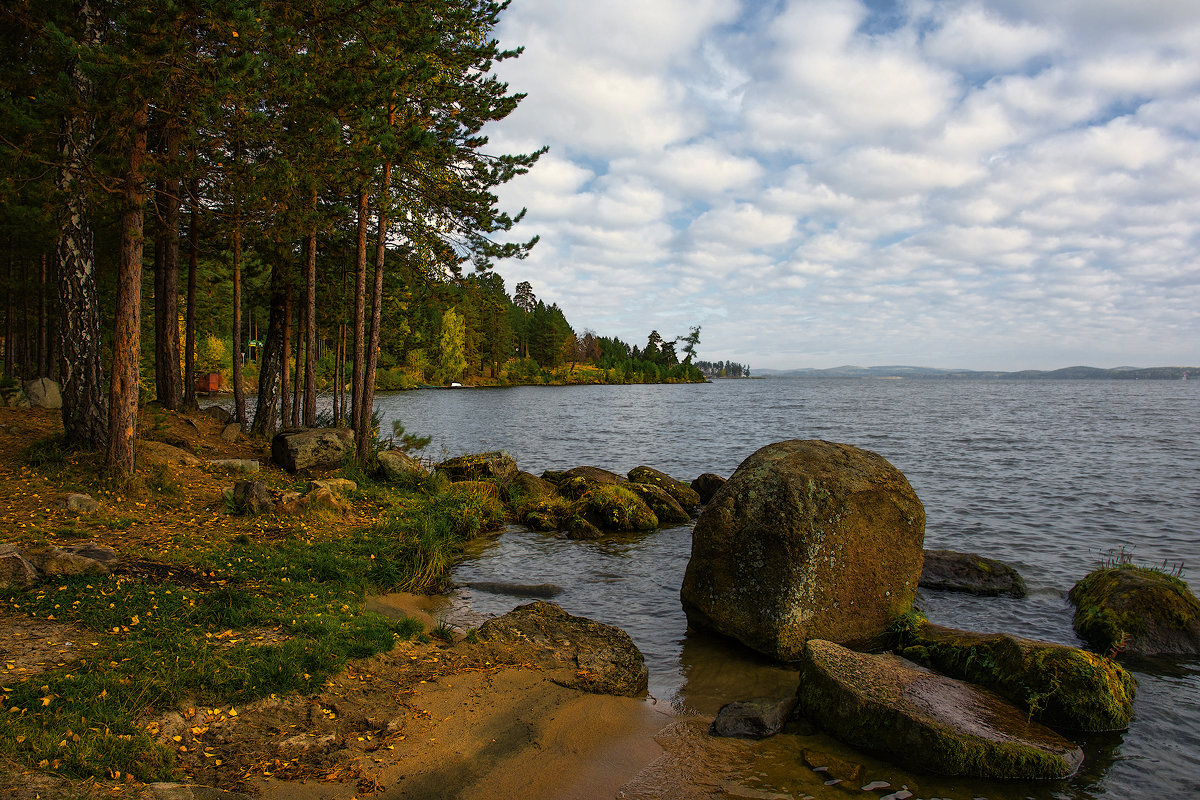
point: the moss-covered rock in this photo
(685, 495)
(1137, 610)
(808, 539)
(664, 506)
(496, 465)
(1060, 686)
(616, 509)
(951, 571)
(921, 720)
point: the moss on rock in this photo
(615, 508)
(687, 497)
(1063, 687)
(664, 506)
(887, 705)
(1137, 610)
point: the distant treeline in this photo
(723, 369)
(927, 373)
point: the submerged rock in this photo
(951, 571)
(921, 720)
(1137, 610)
(541, 590)
(757, 718)
(1060, 686)
(602, 658)
(686, 496)
(807, 539)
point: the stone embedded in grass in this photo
(295, 449)
(1060, 686)
(1137, 610)
(396, 465)
(921, 720)
(253, 497)
(151, 452)
(15, 569)
(80, 502)
(951, 571)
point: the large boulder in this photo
(1060, 686)
(600, 658)
(495, 465)
(888, 705)
(951, 571)
(807, 540)
(1137, 610)
(43, 393)
(295, 449)
(685, 495)
(74, 559)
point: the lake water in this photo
(1046, 475)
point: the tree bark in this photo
(271, 366)
(84, 410)
(189, 350)
(285, 401)
(123, 400)
(310, 329)
(166, 292)
(239, 391)
(362, 436)
(360, 325)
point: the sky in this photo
(1003, 184)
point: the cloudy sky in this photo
(997, 185)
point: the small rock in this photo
(80, 502)
(151, 452)
(480, 466)
(1136, 610)
(43, 393)
(396, 465)
(231, 432)
(335, 485)
(876, 785)
(706, 486)
(951, 571)
(253, 497)
(900, 794)
(237, 464)
(752, 719)
(220, 414)
(685, 495)
(15, 570)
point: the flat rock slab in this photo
(921, 720)
(951, 571)
(160, 453)
(603, 658)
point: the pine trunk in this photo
(362, 437)
(239, 391)
(168, 384)
(285, 400)
(123, 400)
(310, 330)
(189, 350)
(271, 366)
(360, 324)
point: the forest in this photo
(296, 196)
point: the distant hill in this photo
(926, 373)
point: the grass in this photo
(257, 607)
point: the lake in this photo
(1049, 476)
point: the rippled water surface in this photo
(1048, 476)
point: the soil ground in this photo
(422, 721)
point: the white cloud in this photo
(976, 38)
